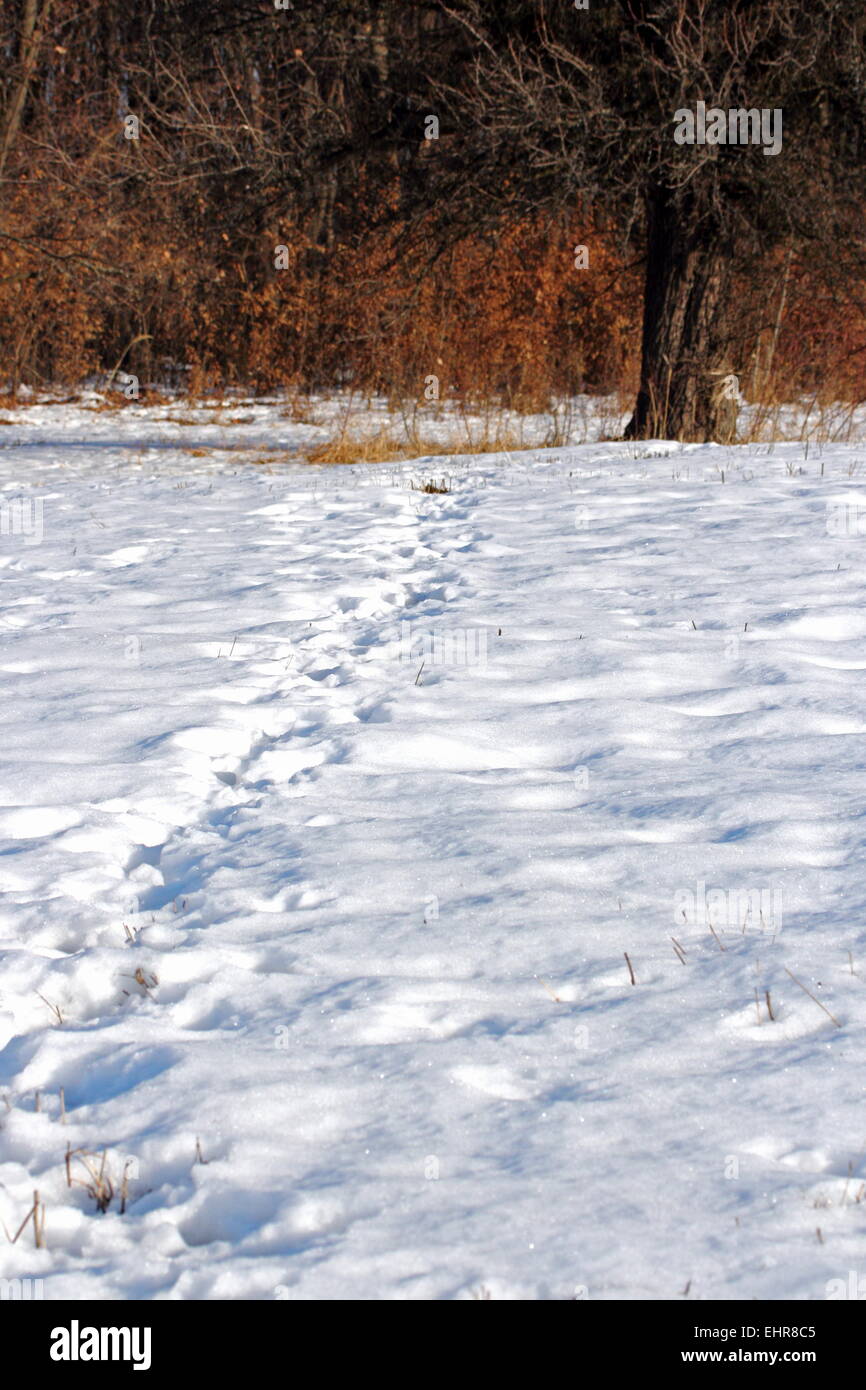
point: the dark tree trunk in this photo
(687, 390)
(28, 50)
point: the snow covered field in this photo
(329, 811)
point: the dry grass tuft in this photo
(391, 444)
(354, 448)
(99, 1184)
(432, 486)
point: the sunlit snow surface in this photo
(383, 785)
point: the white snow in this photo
(329, 809)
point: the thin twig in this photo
(23, 1224)
(38, 1220)
(812, 997)
(53, 1007)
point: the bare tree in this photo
(34, 18)
(546, 106)
(315, 116)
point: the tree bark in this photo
(687, 389)
(32, 26)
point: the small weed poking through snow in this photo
(36, 1214)
(99, 1184)
(432, 486)
(146, 983)
(825, 1199)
